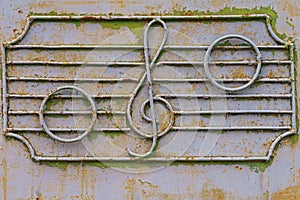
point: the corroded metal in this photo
(286, 128)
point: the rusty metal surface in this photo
(33, 74)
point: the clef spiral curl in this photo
(147, 79)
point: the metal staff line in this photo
(246, 62)
(181, 112)
(160, 95)
(55, 79)
(174, 128)
(138, 47)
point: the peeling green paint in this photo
(207, 116)
(60, 165)
(92, 136)
(255, 166)
(120, 103)
(236, 11)
(137, 26)
(52, 102)
(290, 24)
(295, 138)
(63, 165)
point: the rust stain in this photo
(239, 73)
(131, 187)
(288, 193)
(208, 192)
(271, 74)
(290, 7)
(4, 179)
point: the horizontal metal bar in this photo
(133, 47)
(226, 95)
(173, 128)
(152, 159)
(71, 63)
(209, 112)
(237, 62)
(226, 47)
(66, 96)
(69, 129)
(64, 112)
(163, 17)
(78, 46)
(223, 80)
(72, 79)
(162, 95)
(29, 112)
(232, 128)
(62, 79)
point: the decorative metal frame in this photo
(11, 132)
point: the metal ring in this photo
(53, 136)
(149, 119)
(206, 60)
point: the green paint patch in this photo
(117, 24)
(224, 43)
(137, 26)
(43, 134)
(92, 136)
(122, 164)
(235, 11)
(64, 116)
(258, 166)
(120, 103)
(38, 50)
(288, 22)
(60, 165)
(76, 22)
(255, 166)
(295, 138)
(63, 165)
(207, 116)
(52, 102)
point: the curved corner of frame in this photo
(29, 21)
(276, 142)
(272, 32)
(25, 142)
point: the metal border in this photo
(32, 152)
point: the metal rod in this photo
(161, 95)
(208, 112)
(174, 128)
(61, 79)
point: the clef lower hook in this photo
(146, 78)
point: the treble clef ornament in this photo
(147, 79)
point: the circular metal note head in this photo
(67, 140)
(207, 57)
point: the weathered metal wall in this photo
(23, 178)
